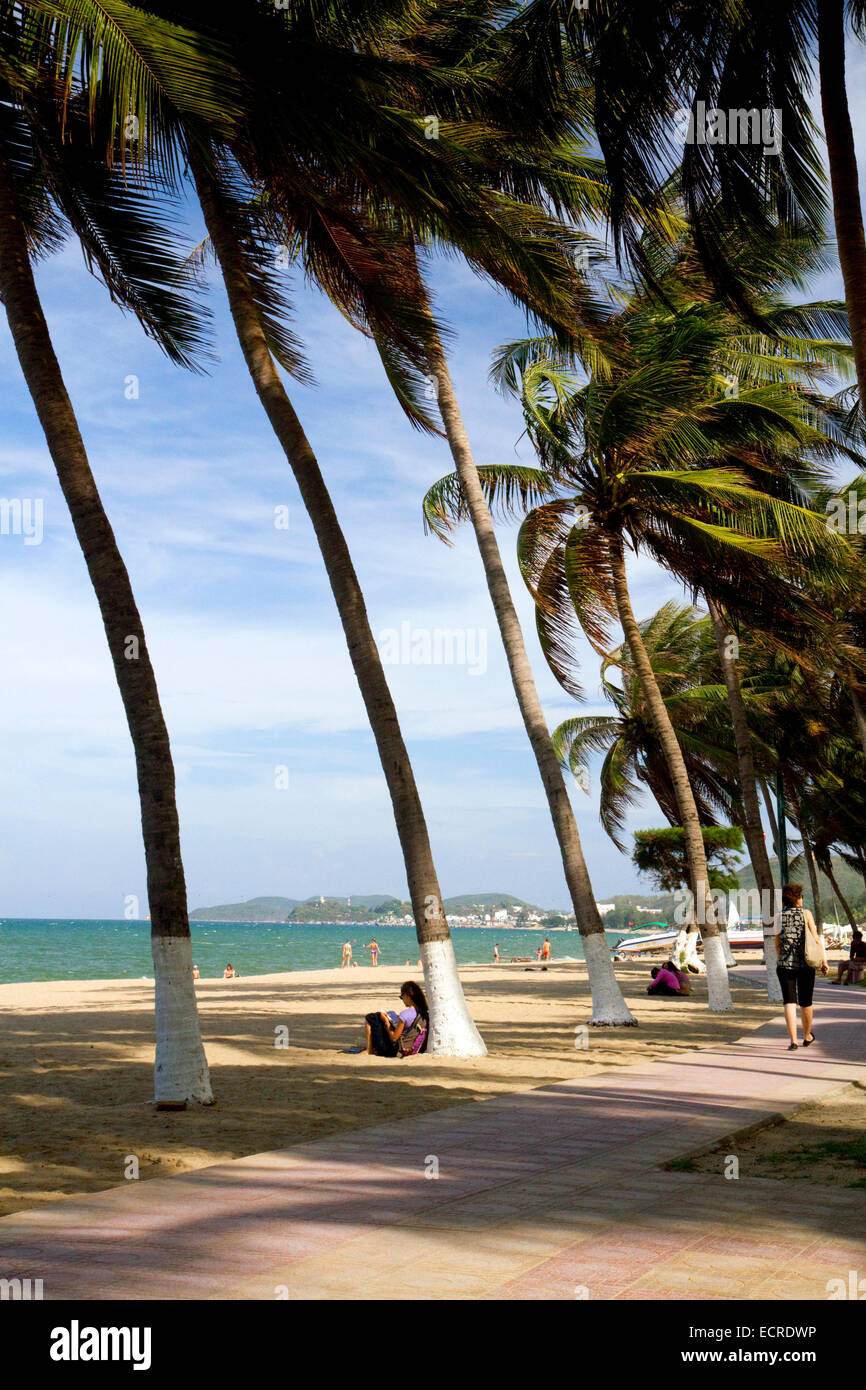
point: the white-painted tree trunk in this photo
(686, 952)
(452, 1032)
(733, 921)
(730, 958)
(181, 1071)
(718, 984)
(609, 1009)
(774, 989)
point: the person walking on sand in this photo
(545, 949)
(347, 954)
(796, 978)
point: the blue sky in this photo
(244, 635)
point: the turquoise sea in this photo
(33, 949)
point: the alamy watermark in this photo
(750, 903)
(847, 516)
(441, 646)
(710, 125)
(22, 516)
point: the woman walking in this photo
(796, 977)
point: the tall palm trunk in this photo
(608, 1006)
(813, 880)
(849, 913)
(452, 1031)
(751, 823)
(718, 986)
(771, 816)
(859, 715)
(181, 1072)
(842, 159)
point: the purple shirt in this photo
(408, 1016)
(664, 977)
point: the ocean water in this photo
(32, 949)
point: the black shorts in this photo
(797, 985)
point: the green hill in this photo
(363, 907)
(487, 902)
(255, 910)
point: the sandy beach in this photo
(76, 1063)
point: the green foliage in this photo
(662, 855)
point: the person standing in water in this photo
(796, 978)
(347, 954)
(374, 951)
(495, 953)
(545, 949)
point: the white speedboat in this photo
(744, 937)
(643, 942)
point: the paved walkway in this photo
(548, 1193)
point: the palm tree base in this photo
(609, 1009)
(180, 1070)
(718, 984)
(452, 1032)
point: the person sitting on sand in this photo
(229, 972)
(682, 977)
(663, 982)
(855, 965)
(395, 1035)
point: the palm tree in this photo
(675, 640)
(648, 449)
(475, 189)
(255, 306)
(353, 223)
(752, 824)
(63, 139)
(609, 1007)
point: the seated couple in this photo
(667, 979)
(402, 1034)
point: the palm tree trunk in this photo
(813, 880)
(859, 715)
(828, 870)
(771, 816)
(752, 825)
(181, 1071)
(842, 159)
(608, 1006)
(718, 986)
(452, 1031)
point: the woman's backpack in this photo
(414, 1038)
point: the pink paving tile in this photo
(756, 1248)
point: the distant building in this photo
(604, 908)
(501, 914)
